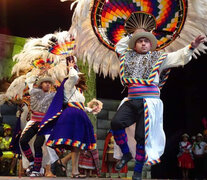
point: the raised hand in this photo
(71, 64)
(42, 71)
(95, 108)
(199, 39)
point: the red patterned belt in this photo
(37, 116)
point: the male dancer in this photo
(140, 69)
(40, 98)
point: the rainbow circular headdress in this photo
(109, 18)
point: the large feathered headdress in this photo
(47, 53)
(100, 24)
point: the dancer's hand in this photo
(199, 39)
(95, 108)
(71, 64)
(43, 71)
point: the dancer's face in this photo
(46, 86)
(185, 139)
(198, 138)
(142, 45)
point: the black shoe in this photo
(58, 169)
(137, 176)
(124, 160)
(29, 170)
(53, 167)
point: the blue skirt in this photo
(72, 129)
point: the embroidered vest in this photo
(140, 69)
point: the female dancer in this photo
(66, 120)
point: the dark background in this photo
(184, 95)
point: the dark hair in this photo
(70, 59)
(82, 82)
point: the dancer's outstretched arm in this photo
(182, 56)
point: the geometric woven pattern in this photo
(108, 18)
(41, 64)
(66, 48)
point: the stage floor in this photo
(64, 178)
(46, 178)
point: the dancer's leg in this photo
(130, 112)
(28, 133)
(66, 159)
(48, 172)
(39, 141)
(75, 158)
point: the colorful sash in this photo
(76, 105)
(143, 91)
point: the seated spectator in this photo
(7, 159)
(108, 160)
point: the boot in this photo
(137, 176)
(124, 160)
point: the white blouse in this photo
(71, 93)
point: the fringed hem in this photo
(49, 120)
(153, 162)
(70, 142)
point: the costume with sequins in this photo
(39, 101)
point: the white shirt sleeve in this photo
(177, 58)
(72, 79)
(30, 80)
(122, 45)
(87, 109)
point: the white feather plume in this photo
(199, 6)
(15, 90)
(195, 25)
(65, 0)
(59, 71)
(33, 49)
(3, 99)
(81, 12)
(36, 48)
(62, 36)
(46, 39)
